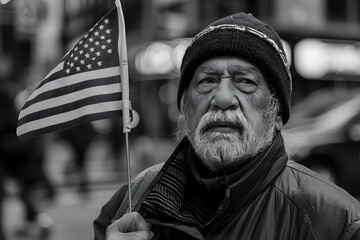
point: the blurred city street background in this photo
(53, 187)
(72, 210)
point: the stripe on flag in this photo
(71, 116)
(77, 100)
(73, 88)
(73, 79)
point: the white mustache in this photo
(228, 118)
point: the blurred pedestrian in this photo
(2, 194)
(116, 142)
(79, 139)
(230, 177)
(23, 162)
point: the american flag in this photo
(84, 86)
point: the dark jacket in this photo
(283, 200)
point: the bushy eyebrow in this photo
(243, 69)
(210, 69)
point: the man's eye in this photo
(245, 81)
(246, 85)
(206, 84)
(207, 80)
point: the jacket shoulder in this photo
(107, 212)
(118, 205)
(139, 186)
(305, 181)
(328, 208)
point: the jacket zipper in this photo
(180, 220)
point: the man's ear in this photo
(278, 122)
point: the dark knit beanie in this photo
(244, 36)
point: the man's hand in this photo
(130, 226)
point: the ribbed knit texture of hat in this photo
(241, 35)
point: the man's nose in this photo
(224, 97)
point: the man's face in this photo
(229, 111)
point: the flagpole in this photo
(123, 61)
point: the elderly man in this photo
(230, 176)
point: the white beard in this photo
(216, 149)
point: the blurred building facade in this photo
(321, 37)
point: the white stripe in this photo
(68, 116)
(59, 67)
(71, 97)
(76, 78)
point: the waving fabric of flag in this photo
(85, 86)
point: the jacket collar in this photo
(237, 186)
(176, 193)
(268, 165)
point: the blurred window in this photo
(317, 107)
(318, 103)
(337, 105)
(357, 9)
(343, 11)
(354, 129)
(171, 18)
(336, 10)
(265, 9)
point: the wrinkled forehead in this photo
(229, 64)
